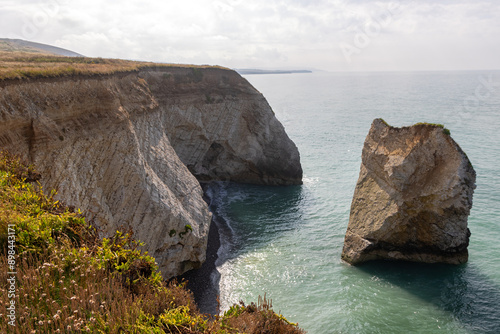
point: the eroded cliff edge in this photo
(122, 146)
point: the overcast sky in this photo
(334, 35)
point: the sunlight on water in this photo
(285, 242)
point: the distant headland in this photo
(259, 71)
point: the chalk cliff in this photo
(222, 128)
(117, 147)
(412, 198)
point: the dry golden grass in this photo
(67, 292)
(255, 319)
(23, 65)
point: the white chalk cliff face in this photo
(222, 128)
(412, 198)
(105, 144)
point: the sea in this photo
(285, 243)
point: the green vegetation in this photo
(431, 124)
(209, 99)
(70, 281)
(256, 318)
(196, 74)
(27, 65)
(187, 229)
(383, 121)
(445, 130)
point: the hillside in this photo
(19, 45)
(63, 279)
(244, 71)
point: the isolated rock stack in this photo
(412, 199)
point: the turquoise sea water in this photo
(286, 242)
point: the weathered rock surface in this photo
(105, 144)
(222, 128)
(412, 199)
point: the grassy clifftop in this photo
(30, 65)
(57, 276)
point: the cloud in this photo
(384, 34)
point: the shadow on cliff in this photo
(463, 291)
(245, 217)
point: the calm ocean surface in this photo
(286, 242)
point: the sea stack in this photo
(412, 198)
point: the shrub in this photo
(256, 318)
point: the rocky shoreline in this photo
(203, 282)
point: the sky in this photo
(331, 35)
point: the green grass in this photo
(69, 280)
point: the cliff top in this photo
(421, 124)
(21, 64)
